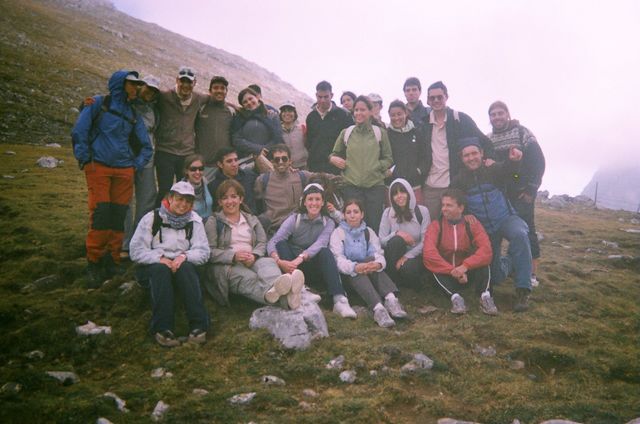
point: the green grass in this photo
(579, 342)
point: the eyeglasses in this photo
(196, 168)
(439, 98)
(278, 159)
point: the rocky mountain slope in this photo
(618, 187)
(56, 52)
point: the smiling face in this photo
(401, 197)
(437, 99)
(194, 172)
(499, 118)
(288, 115)
(353, 215)
(398, 117)
(347, 102)
(131, 88)
(179, 204)
(230, 202)
(280, 162)
(361, 113)
(451, 209)
(472, 157)
(185, 87)
(148, 94)
(250, 102)
(218, 92)
(313, 202)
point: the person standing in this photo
(522, 186)
(229, 168)
(412, 92)
(294, 135)
(101, 144)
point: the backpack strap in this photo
(367, 237)
(347, 134)
(467, 226)
(156, 227)
(418, 213)
(303, 178)
(377, 132)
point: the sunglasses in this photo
(434, 98)
(283, 159)
(196, 168)
(186, 73)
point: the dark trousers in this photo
(373, 200)
(413, 270)
(168, 167)
(525, 211)
(322, 266)
(372, 288)
(477, 278)
(162, 285)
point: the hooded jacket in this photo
(409, 151)
(106, 140)
(350, 248)
(389, 224)
(254, 130)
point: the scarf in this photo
(355, 244)
(177, 222)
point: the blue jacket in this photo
(108, 141)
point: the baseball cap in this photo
(288, 103)
(374, 97)
(133, 76)
(183, 187)
(151, 81)
(187, 72)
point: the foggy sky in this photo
(569, 70)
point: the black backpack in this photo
(157, 225)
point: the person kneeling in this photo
(168, 244)
(238, 264)
(361, 262)
(458, 252)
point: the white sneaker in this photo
(311, 296)
(342, 308)
(294, 297)
(487, 305)
(394, 308)
(280, 287)
(457, 304)
(382, 318)
(534, 281)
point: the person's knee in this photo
(396, 242)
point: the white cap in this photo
(374, 97)
(151, 81)
(183, 187)
(187, 72)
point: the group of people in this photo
(249, 201)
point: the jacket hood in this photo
(408, 188)
(116, 84)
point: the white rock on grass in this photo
(310, 393)
(348, 376)
(200, 392)
(242, 398)
(121, 404)
(634, 421)
(11, 388)
(485, 351)
(64, 377)
(630, 230)
(419, 362)
(161, 373)
(272, 380)
(103, 420)
(159, 411)
(53, 145)
(610, 244)
(34, 354)
(559, 422)
(634, 221)
(517, 365)
(127, 287)
(92, 329)
(48, 162)
(8, 177)
(336, 363)
(454, 421)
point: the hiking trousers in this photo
(109, 193)
(478, 279)
(412, 272)
(372, 288)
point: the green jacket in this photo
(367, 159)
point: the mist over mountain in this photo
(618, 187)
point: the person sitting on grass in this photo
(238, 264)
(361, 263)
(457, 251)
(167, 245)
(302, 242)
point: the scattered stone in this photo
(336, 363)
(564, 246)
(348, 376)
(373, 373)
(419, 362)
(294, 329)
(634, 421)
(8, 177)
(161, 373)
(361, 311)
(65, 377)
(121, 404)
(10, 153)
(103, 420)
(11, 388)
(610, 244)
(43, 283)
(91, 329)
(539, 235)
(53, 145)
(305, 405)
(615, 256)
(272, 380)
(24, 171)
(630, 230)
(426, 310)
(309, 393)
(242, 398)
(49, 162)
(127, 287)
(532, 377)
(593, 250)
(74, 110)
(34, 354)
(159, 411)
(621, 220)
(516, 365)
(454, 421)
(515, 421)
(485, 351)
(559, 422)
(634, 221)
(200, 392)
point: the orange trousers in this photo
(110, 190)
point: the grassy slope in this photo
(579, 342)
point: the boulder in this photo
(336, 363)
(419, 362)
(65, 377)
(91, 329)
(242, 398)
(48, 162)
(348, 376)
(272, 380)
(159, 411)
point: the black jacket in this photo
(322, 135)
(246, 178)
(409, 151)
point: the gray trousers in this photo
(251, 283)
(142, 202)
(432, 198)
(372, 288)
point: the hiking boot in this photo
(111, 269)
(95, 275)
(487, 305)
(166, 338)
(197, 336)
(394, 308)
(457, 304)
(382, 318)
(534, 281)
(342, 308)
(280, 287)
(522, 300)
(294, 297)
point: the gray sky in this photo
(569, 70)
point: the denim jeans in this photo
(162, 284)
(322, 266)
(516, 231)
(525, 210)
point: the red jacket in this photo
(455, 247)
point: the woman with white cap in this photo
(168, 245)
(294, 135)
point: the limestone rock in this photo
(348, 376)
(200, 392)
(43, 283)
(159, 411)
(161, 373)
(485, 351)
(127, 287)
(10, 153)
(121, 404)
(34, 354)
(11, 388)
(309, 393)
(65, 377)
(103, 420)
(454, 421)
(53, 145)
(91, 329)
(517, 365)
(419, 362)
(559, 422)
(336, 363)
(48, 162)
(610, 244)
(242, 398)
(634, 421)
(272, 380)
(9, 177)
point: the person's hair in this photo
(353, 201)
(312, 190)
(278, 148)
(245, 91)
(295, 112)
(350, 94)
(457, 195)
(222, 152)
(438, 84)
(189, 160)
(499, 104)
(398, 103)
(364, 99)
(411, 81)
(324, 86)
(218, 80)
(256, 88)
(402, 214)
(225, 187)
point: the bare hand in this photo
(287, 267)
(338, 162)
(178, 261)
(459, 271)
(515, 154)
(168, 262)
(489, 162)
(330, 207)
(401, 262)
